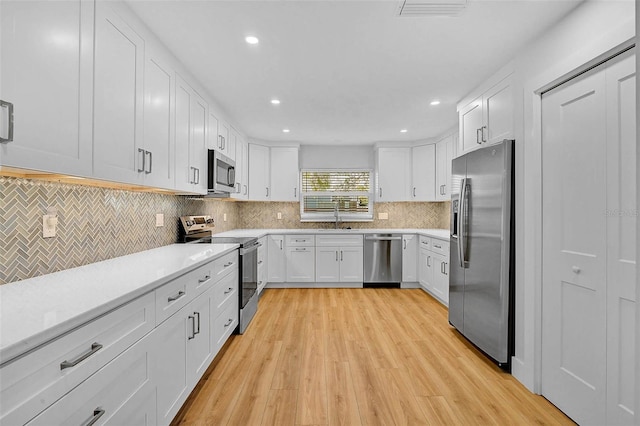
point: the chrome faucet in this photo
(336, 214)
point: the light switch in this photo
(224, 217)
(279, 215)
(383, 216)
(160, 219)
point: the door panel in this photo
(574, 280)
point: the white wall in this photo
(590, 31)
(336, 157)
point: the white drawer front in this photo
(333, 240)
(171, 297)
(440, 246)
(300, 240)
(223, 291)
(224, 324)
(425, 242)
(225, 264)
(32, 383)
(122, 392)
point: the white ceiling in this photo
(346, 72)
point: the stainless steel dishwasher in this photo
(382, 260)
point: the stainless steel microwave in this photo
(221, 173)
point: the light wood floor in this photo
(357, 356)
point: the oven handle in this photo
(247, 250)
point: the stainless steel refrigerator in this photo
(481, 288)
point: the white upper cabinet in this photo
(159, 133)
(191, 143)
(394, 174)
(423, 166)
(259, 173)
(212, 135)
(46, 76)
(242, 170)
(118, 151)
(445, 152)
(284, 174)
(488, 118)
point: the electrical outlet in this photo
(383, 216)
(49, 224)
(224, 217)
(279, 216)
(159, 219)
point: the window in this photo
(345, 193)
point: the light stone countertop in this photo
(442, 234)
(37, 310)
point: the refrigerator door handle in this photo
(461, 208)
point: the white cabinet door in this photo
(440, 283)
(230, 146)
(198, 146)
(328, 264)
(199, 344)
(394, 174)
(444, 155)
(242, 170)
(46, 73)
(301, 264)
(284, 174)
(471, 126)
(212, 132)
(223, 138)
(423, 166)
(159, 109)
(410, 258)
(425, 269)
(497, 109)
(259, 174)
(351, 264)
(118, 99)
(171, 367)
(276, 259)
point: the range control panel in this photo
(193, 224)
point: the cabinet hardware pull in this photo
(176, 297)
(226, 265)
(380, 192)
(295, 192)
(437, 246)
(205, 279)
(405, 244)
(192, 174)
(267, 192)
(259, 262)
(97, 413)
(193, 327)
(336, 255)
(229, 322)
(150, 161)
(9, 106)
(95, 347)
(445, 268)
(198, 314)
(414, 191)
(428, 263)
(142, 169)
(478, 140)
(198, 176)
(280, 244)
(483, 128)
(341, 256)
(229, 290)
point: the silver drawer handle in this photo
(226, 265)
(229, 322)
(198, 314)
(95, 347)
(205, 279)
(176, 297)
(97, 413)
(301, 249)
(193, 327)
(437, 246)
(229, 290)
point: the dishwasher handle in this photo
(382, 238)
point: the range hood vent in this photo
(417, 8)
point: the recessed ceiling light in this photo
(285, 130)
(251, 40)
(403, 131)
(435, 103)
(275, 101)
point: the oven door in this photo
(249, 273)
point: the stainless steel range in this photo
(198, 230)
(248, 276)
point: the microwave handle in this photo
(231, 175)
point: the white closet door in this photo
(621, 238)
(574, 248)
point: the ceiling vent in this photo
(417, 8)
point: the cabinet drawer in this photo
(440, 246)
(224, 324)
(425, 242)
(32, 383)
(300, 240)
(223, 291)
(120, 393)
(225, 264)
(334, 240)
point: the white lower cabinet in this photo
(351, 264)
(410, 258)
(433, 267)
(122, 392)
(339, 258)
(276, 259)
(127, 366)
(301, 258)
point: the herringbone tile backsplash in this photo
(93, 224)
